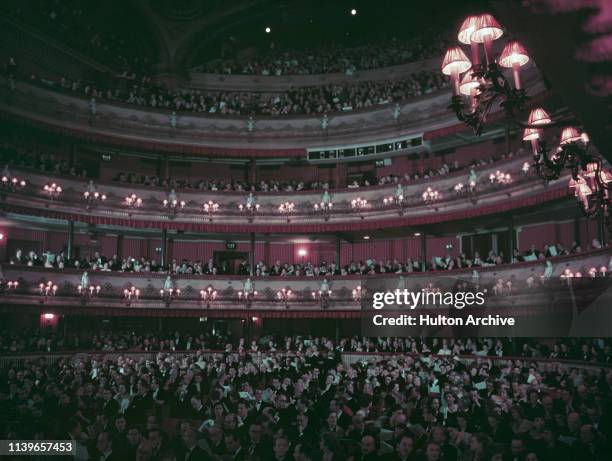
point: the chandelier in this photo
(133, 201)
(287, 208)
(208, 295)
(284, 295)
(210, 208)
(431, 195)
(499, 177)
(53, 190)
(484, 84)
(590, 180)
(12, 183)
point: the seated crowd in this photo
(335, 58)
(251, 404)
(59, 165)
(372, 266)
(345, 96)
(221, 185)
(137, 339)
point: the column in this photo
(511, 242)
(601, 227)
(119, 250)
(166, 168)
(253, 171)
(266, 255)
(337, 325)
(71, 158)
(338, 251)
(159, 167)
(577, 236)
(423, 251)
(252, 253)
(70, 249)
(164, 248)
(422, 163)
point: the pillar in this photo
(71, 157)
(423, 251)
(337, 325)
(70, 249)
(252, 253)
(338, 251)
(159, 169)
(253, 171)
(164, 248)
(166, 168)
(511, 242)
(119, 250)
(266, 256)
(601, 227)
(577, 236)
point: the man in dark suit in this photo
(110, 407)
(140, 405)
(104, 446)
(233, 449)
(404, 451)
(259, 444)
(192, 452)
(369, 450)
(281, 449)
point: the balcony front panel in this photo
(31, 292)
(209, 134)
(523, 190)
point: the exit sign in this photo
(230, 245)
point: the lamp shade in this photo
(530, 134)
(467, 29)
(539, 116)
(513, 53)
(570, 134)
(455, 61)
(591, 169)
(468, 83)
(487, 28)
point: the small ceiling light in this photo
(417, 234)
(268, 30)
(366, 237)
(353, 12)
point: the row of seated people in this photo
(98, 262)
(50, 163)
(336, 58)
(310, 407)
(323, 99)
(135, 339)
(295, 185)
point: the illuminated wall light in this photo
(268, 30)
(353, 12)
(302, 252)
(49, 316)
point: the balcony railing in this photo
(524, 188)
(112, 296)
